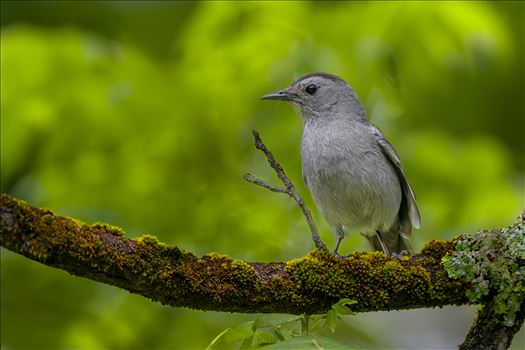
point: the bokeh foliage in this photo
(139, 114)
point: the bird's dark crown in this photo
(321, 75)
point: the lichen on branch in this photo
(494, 263)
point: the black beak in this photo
(281, 95)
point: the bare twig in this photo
(289, 188)
(250, 178)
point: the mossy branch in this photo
(489, 330)
(310, 284)
(172, 276)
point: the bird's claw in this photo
(400, 254)
(336, 254)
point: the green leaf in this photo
(265, 338)
(341, 306)
(310, 342)
(315, 326)
(279, 334)
(215, 340)
(246, 343)
(239, 332)
(331, 320)
(274, 320)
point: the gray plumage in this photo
(354, 174)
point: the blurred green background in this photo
(139, 114)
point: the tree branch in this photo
(501, 259)
(172, 276)
(489, 331)
(288, 189)
(250, 178)
(310, 284)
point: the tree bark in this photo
(488, 331)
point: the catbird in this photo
(354, 174)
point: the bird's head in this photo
(320, 95)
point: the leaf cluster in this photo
(281, 331)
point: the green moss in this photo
(434, 250)
(151, 240)
(493, 263)
(220, 278)
(374, 280)
(163, 249)
(108, 228)
(339, 278)
(216, 256)
(243, 272)
(309, 284)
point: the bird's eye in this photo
(311, 89)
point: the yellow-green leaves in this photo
(286, 331)
(339, 308)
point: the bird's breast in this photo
(352, 182)
(335, 150)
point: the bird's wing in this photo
(408, 212)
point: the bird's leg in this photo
(340, 233)
(339, 237)
(383, 245)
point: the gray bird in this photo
(354, 174)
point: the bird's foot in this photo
(335, 253)
(401, 254)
